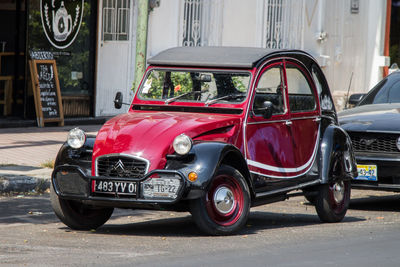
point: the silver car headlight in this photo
(182, 144)
(76, 138)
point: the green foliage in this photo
(184, 82)
(394, 54)
(181, 81)
(239, 83)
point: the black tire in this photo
(231, 212)
(333, 201)
(76, 215)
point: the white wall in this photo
(353, 48)
(239, 23)
(163, 27)
(354, 43)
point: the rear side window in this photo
(301, 97)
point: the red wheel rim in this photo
(337, 204)
(233, 201)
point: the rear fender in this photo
(337, 161)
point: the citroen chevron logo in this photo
(119, 167)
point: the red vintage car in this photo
(213, 131)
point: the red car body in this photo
(258, 123)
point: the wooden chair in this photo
(7, 99)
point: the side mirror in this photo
(118, 100)
(394, 67)
(202, 77)
(267, 107)
(355, 99)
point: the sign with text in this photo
(46, 91)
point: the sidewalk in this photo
(25, 152)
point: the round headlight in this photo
(182, 144)
(76, 138)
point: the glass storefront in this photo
(65, 28)
(68, 29)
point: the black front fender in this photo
(336, 155)
(81, 157)
(204, 159)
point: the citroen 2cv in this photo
(213, 131)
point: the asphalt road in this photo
(286, 233)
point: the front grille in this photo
(121, 166)
(374, 142)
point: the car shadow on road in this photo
(185, 227)
(376, 203)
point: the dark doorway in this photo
(12, 58)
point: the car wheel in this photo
(76, 215)
(225, 206)
(332, 201)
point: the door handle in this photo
(288, 123)
(317, 119)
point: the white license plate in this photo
(367, 173)
(112, 187)
(161, 187)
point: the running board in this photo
(286, 189)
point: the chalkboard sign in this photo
(46, 91)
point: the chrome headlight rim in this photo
(182, 144)
(76, 138)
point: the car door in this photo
(269, 142)
(304, 114)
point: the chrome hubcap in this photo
(338, 192)
(224, 201)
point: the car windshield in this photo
(195, 86)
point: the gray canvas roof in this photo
(234, 57)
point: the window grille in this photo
(283, 23)
(116, 20)
(193, 22)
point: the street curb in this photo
(23, 184)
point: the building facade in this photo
(94, 42)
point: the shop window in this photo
(116, 20)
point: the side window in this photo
(394, 93)
(269, 88)
(301, 97)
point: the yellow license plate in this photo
(367, 173)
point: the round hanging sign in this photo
(61, 21)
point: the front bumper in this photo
(388, 166)
(71, 182)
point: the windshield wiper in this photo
(231, 96)
(172, 99)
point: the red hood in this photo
(150, 134)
